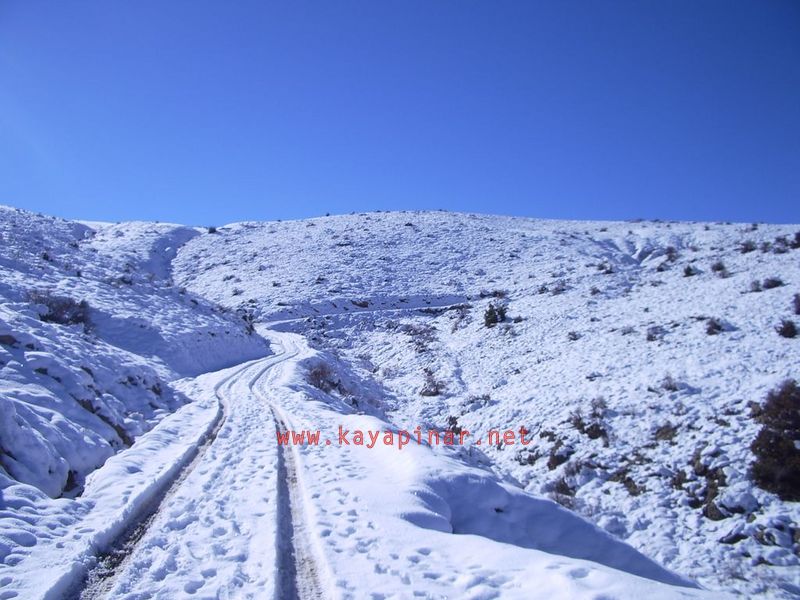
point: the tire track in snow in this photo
(298, 566)
(298, 571)
(99, 581)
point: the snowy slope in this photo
(143, 423)
(601, 316)
(92, 331)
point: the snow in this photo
(153, 423)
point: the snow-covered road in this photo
(223, 531)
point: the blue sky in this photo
(207, 112)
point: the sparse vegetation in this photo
(212, 229)
(559, 454)
(62, 309)
(796, 304)
(669, 384)
(714, 326)
(690, 271)
(321, 377)
(494, 314)
(771, 282)
(787, 328)
(747, 246)
(666, 432)
(720, 269)
(431, 387)
(777, 465)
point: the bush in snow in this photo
(747, 246)
(714, 326)
(755, 285)
(494, 315)
(771, 282)
(781, 245)
(689, 271)
(787, 329)
(321, 377)
(212, 229)
(431, 387)
(249, 318)
(669, 384)
(796, 304)
(61, 309)
(720, 269)
(777, 465)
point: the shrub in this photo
(787, 328)
(796, 303)
(669, 384)
(772, 282)
(781, 245)
(62, 309)
(494, 315)
(577, 421)
(747, 246)
(431, 387)
(719, 268)
(212, 229)
(796, 241)
(249, 318)
(321, 377)
(559, 454)
(672, 254)
(599, 407)
(666, 432)
(689, 271)
(777, 465)
(714, 326)
(755, 285)
(573, 336)
(605, 268)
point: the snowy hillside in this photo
(147, 370)
(641, 420)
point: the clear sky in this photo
(207, 112)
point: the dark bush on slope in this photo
(61, 309)
(714, 326)
(777, 465)
(719, 268)
(494, 315)
(747, 246)
(772, 282)
(787, 329)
